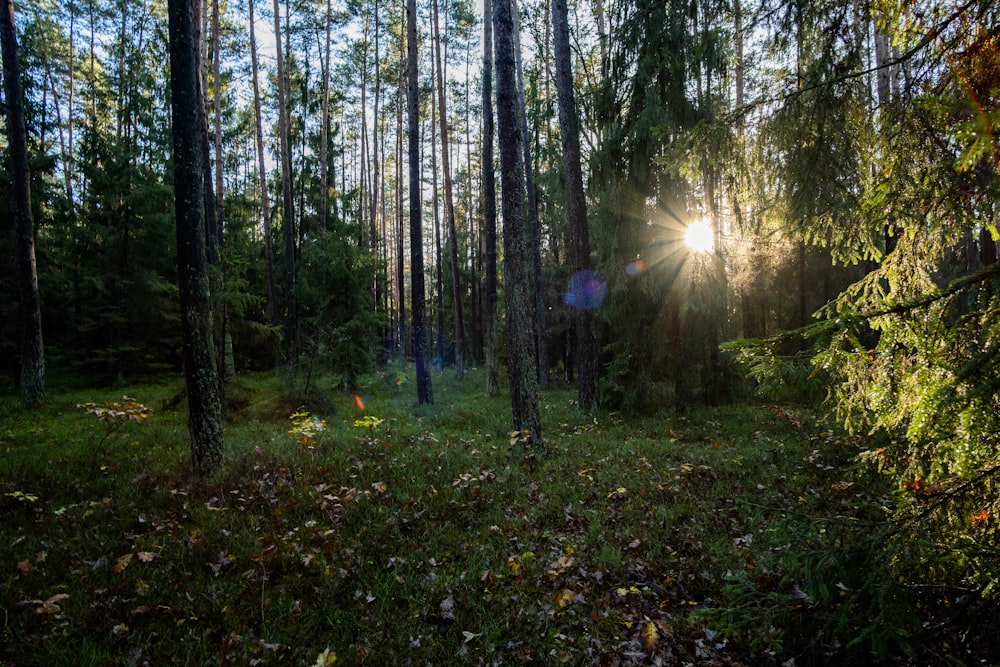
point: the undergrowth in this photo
(364, 528)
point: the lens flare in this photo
(699, 236)
(586, 290)
(635, 268)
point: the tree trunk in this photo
(31, 381)
(576, 206)
(489, 211)
(204, 400)
(438, 335)
(400, 268)
(534, 227)
(449, 207)
(324, 130)
(265, 205)
(521, 339)
(287, 210)
(419, 325)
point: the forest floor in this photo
(359, 528)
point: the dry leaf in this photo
(50, 606)
(447, 608)
(122, 562)
(650, 638)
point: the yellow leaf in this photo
(122, 562)
(326, 658)
(650, 638)
(564, 597)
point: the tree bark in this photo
(31, 381)
(200, 372)
(576, 206)
(265, 200)
(489, 210)
(534, 227)
(287, 208)
(324, 130)
(419, 325)
(449, 207)
(400, 286)
(521, 354)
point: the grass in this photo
(676, 538)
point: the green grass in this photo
(428, 539)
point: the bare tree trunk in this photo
(424, 389)
(400, 269)
(438, 335)
(204, 400)
(265, 205)
(489, 210)
(533, 223)
(449, 207)
(521, 354)
(31, 381)
(576, 206)
(287, 213)
(324, 131)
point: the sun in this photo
(699, 236)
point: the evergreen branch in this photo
(830, 323)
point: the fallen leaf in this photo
(565, 597)
(325, 659)
(447, 608)
(122, 562)
(650, 637)
(50, 606)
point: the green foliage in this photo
(335, 295)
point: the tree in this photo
(521, 340)
(534, 225)
(287, 206)
(418, 324)
(200, 372)
(576, 207)
(489, 209)
(265, 206)
(31, 381)
(449, 204)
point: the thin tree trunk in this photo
(31, 381)
(400, 269)
(265, 205)
(533, 222)
(449, 207)
(576, 206)
(287, 213)
(435, 208)
(424, 389)
(521, 354)
(324, 130)
(204, 400)
(489, 210)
